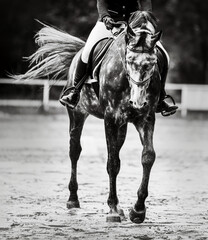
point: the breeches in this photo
(98, 32)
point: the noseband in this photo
(141, 83)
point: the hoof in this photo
(137, 217)
(72, 204)
(113, 217)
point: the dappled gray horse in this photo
(128, 91)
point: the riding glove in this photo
(109, 22)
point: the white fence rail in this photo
(193, 96)
(45, 102)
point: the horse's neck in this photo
(114, 62)
(119, 46)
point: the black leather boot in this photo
(71, 95)
(163, 107)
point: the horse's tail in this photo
(54, 55)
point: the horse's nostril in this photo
(131, 102)
(145, 103)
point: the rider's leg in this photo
(70, 96)
(98, 32)
(163, 107)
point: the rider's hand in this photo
(109, 22)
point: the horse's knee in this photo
(148, 157)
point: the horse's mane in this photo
(140, 17)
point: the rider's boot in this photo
(163, 107)
(70, 96)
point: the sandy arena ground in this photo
(35, 170)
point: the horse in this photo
(129, 89)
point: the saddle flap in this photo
(96, 56)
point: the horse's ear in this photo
(156, 37)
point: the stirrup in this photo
(168, 96)
(164, 113)
(66, 91)
(71, 103)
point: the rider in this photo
(109, 12)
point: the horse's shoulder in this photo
(118, 46)
(120, 41)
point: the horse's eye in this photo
(145, 66)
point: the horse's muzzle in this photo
(137, 105)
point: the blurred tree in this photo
(186, 34)
(17, 31)
(184, 24)
(19, 26)
(74, 16)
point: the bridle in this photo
(140, 83)
(146, 81)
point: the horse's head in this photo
(141, 55)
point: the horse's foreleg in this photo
(77, 120)
(137, 214)
(115, 137)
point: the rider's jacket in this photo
(120, 10)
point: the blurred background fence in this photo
(185, 37)
(184, 26)
(192, 97)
